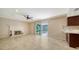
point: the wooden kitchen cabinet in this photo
(73, 40)
(73, 21)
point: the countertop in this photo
(71, 30)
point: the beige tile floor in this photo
(33, 42)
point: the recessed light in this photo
(16, 10)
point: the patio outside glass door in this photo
(41, 29)
(38, 29)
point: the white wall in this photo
(55, 27)
(7, 24)
(32, 28)
(72, 12)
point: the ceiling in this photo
(36, 13)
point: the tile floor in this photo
(33, 42)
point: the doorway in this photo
(41, 29)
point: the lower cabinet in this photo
(73, 40)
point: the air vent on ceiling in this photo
(76, 9)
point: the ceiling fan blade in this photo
(25, 16)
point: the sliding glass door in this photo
(44, 29)
(41, 28)
(38, 29)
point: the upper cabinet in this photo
(73, 21)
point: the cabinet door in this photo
(74, 40)
(73, 21)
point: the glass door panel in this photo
(38, 29)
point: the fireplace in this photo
(14, 33)
(17, 32)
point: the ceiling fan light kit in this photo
(27, 17)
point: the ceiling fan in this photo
(28, 17)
